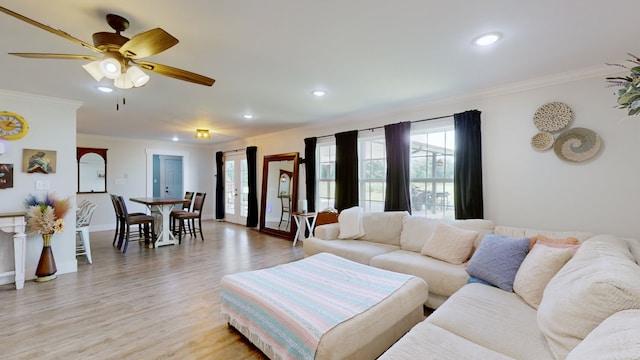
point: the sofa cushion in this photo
(495, 319)
(426, 338)
(538, 267)
(600, 280)
(449, 243)
(443, 278)
(383, 227)
(617, 337)
(356, 250)
(350, 222)
(498, 259)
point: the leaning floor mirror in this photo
(279, 194)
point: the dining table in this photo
(161, 206)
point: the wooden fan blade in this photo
(56, 56)
(49, 29)
(148, 43)
(176, 73)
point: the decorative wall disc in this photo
(553, 116)
(577, 144)
(542, 141)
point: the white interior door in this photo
(236, 188)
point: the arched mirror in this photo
(92, 170)
(279, 194)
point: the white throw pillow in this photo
(538, 267)
(350, 221)
(449, 243)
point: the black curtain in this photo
(346, 170)
(398, 145)
(468, 166)
(252, 174)
(310, 171)
(219, 187)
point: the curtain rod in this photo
(380, 127)
(234, 150)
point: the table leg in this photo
(312, 225)
(164, 237)
(295, 238)
(19, 253)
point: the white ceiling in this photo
(268, 55)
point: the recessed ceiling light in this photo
(105, 89)
(248, 116)
(319, 93)
(487, 39)
(175, 138)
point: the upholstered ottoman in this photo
(323, 307)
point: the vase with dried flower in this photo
(46, 217)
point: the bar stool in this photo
(84, 213)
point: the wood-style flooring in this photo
(159, 303)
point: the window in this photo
(372, 173)
(326, 175)
(432, 168)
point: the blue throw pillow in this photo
(498, 259)
(475, 280)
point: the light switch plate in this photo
(42, 185)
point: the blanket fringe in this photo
(254, 338)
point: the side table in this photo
(15, 223)
(309, 219)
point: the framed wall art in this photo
(6, 176)
(39, 161)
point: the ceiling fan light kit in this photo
(110, 66)
(119, 53)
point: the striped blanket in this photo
(286, 309)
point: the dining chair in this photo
(186, 206)
(119, 220)
(126, 220)
(84, 214)
(190, 217)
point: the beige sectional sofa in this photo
(393, 241)
(589, 309)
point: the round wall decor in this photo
(553, 116)
(542, 141)
(577, 144)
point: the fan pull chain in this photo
(124, 102)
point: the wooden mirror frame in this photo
(100, 152)
(294, 157)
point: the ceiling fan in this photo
(121, 56)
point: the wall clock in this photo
(12, 125)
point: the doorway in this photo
(167, 170)
(167, 178)
(236, 188)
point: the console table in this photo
(15, 223)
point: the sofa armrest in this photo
(327, 231)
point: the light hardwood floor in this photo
(159, 303)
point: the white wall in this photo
(524, 187)
(52, 123)
(127, 164)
